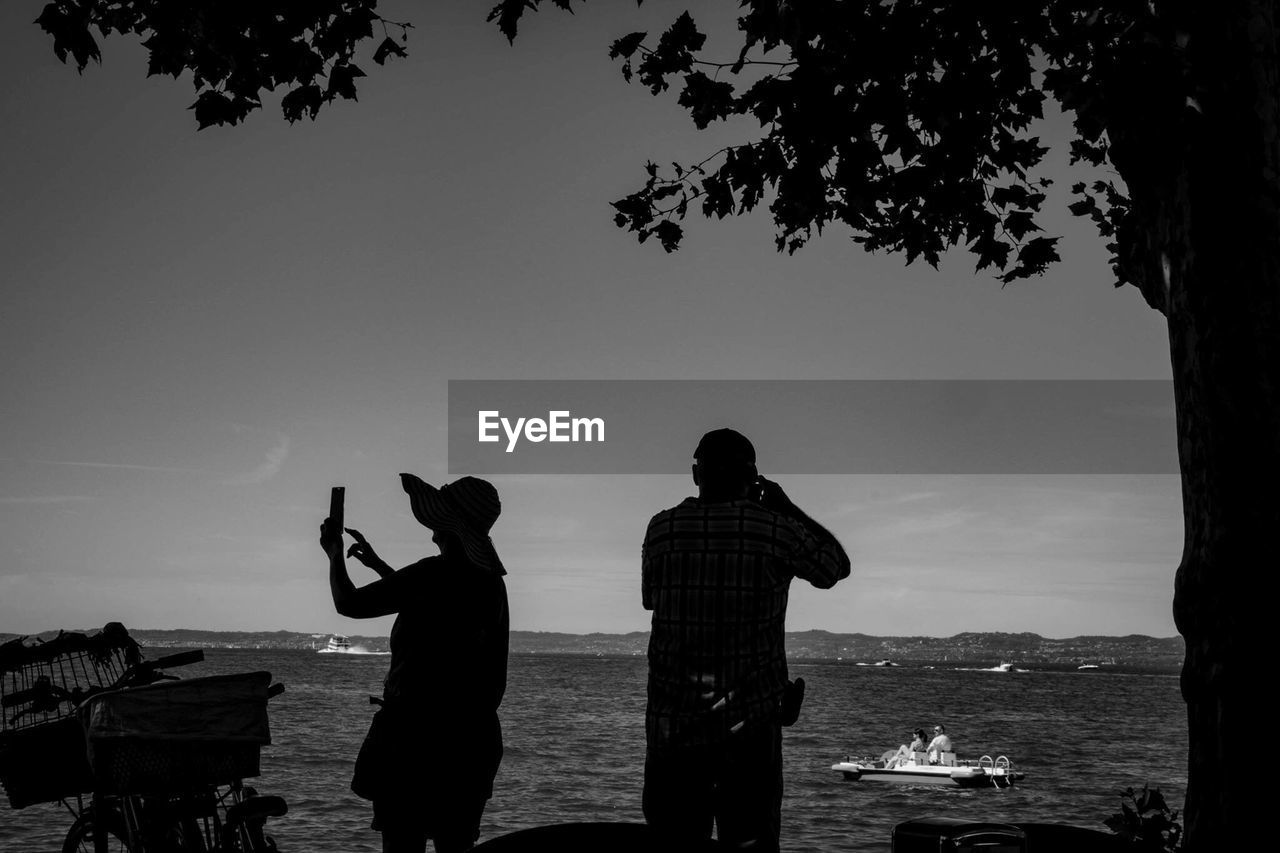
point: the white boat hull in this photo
(967, 776)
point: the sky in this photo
(201, 333)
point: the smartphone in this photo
(336, 496)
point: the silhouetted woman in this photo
(434, 747)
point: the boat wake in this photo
(361, 650)
(351, 650)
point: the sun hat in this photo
(467, 507)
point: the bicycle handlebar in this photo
(179, 659)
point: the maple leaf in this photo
(669, 234)
(214, 107)
(626, 45)
(304, 99)
(389, 47)
(342, 81)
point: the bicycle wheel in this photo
(80, 836)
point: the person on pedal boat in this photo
(903, 755)
(940, 744)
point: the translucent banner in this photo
(815, 426)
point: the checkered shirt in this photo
(716, 576)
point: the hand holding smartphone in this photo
(770, 495)
(337, 496)
(331, 530)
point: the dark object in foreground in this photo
(927, 835)
(792, 699)
(585, 838)
(42, 750)
(1146, 819)
(165, 758)
(177, 735)
(944, 834)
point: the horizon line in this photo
(593, 633)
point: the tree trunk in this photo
(1221, 235)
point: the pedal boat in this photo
(916, 770)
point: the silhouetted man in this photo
(716, 572)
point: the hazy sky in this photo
(201, 332)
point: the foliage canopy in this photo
(907, 121)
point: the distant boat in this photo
(1087, 666)
(916, 770)
(884, 662)
(338, 644)
(1002, 667)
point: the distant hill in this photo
(1131, 653)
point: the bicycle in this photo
(161, 782)
(225, 819)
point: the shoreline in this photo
(1132, 654)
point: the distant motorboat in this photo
(1004, 667)
(884, 662)
(338, 644)
(1087, 666)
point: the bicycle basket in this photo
(179, 735)
(41, 764)
(40, 680)
(42, 745)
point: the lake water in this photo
(574, 732)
